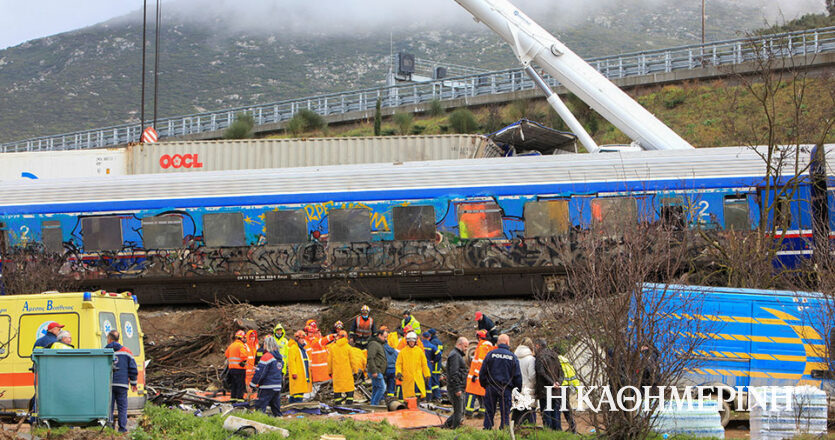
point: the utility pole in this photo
(703, 22)
(144, 39)
(156, 64)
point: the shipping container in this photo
(172, 157)
(63, 164)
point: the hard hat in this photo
(482, 334)
(338, 324)
(311, 322)
(300, 334)
(411, 336)
(278, 330)
(365, 310)
(478, 316)
(407, 329)
(313, 326)
(240, 334)
(383, 328)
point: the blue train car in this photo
(754, 337)
(434, 229)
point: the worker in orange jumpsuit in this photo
(236, 356)
(252, 345)
(317, 352)
(411, 367)
(475, 392)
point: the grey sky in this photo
(23, 20)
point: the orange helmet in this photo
(407, 329)
(482, 334)
(240, 334)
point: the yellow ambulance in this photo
(88, 316)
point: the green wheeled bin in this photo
(73, 386)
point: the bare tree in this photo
(628, 336)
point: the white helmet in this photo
(411, 336)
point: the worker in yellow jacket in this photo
(411, 367)
(343, 363)
(298, 367)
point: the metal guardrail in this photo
(718, 53)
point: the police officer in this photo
(500, 374)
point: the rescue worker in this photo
(268, 378)
(569, 382)
(64, 341)
(438, 371)
(475, 392)
(433, 358)
(281, 340)
(338, 326)
(317, 352)
(500, 375)
(411, 322)
(342, 365)
(485, 323)
(549, 373)
(236, 355)
(362, 328)
(456, 373)
(391, 361)
(51, 336)
(252, 345)
(124, 374)
(411, 368)
(298, 368)
(377, 364)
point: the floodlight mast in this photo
(531, 43)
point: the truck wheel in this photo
(725, 414)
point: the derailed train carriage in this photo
(480, 227)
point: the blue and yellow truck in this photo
(754, 337)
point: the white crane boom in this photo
(531, 43)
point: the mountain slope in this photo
(90, 78)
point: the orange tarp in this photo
(405, 419)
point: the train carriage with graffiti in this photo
(414, 229)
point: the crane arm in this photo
(533, 44)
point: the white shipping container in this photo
(63, 164)
(172, 157)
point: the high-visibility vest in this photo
(235, 354)
(414, 323)
(318, 354)
(364, 327)
(569, 375)
(473, 386)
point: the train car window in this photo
(614, 213)
(414, 222)
(162, 232)
(480, 220)
(102, 233)
(53, 236)
(224, 229)
(672, 212)
(286, 227)
(547, 218)
(737, 215)
(3, 237)
(782, 213)
(349, 225)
